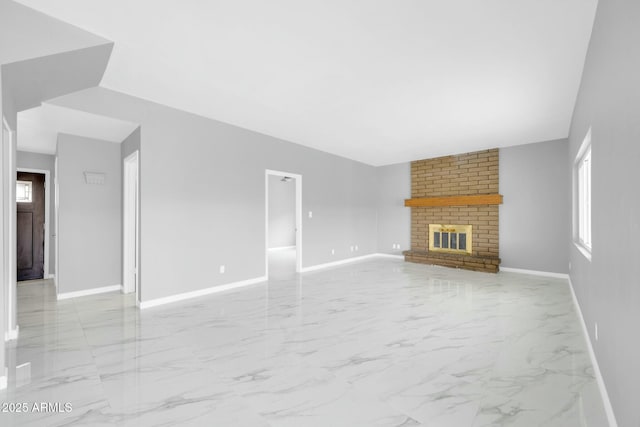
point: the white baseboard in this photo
(3, 379)
(611, 417)
(235, 285)
(12, 335)
(396, 256)
(88, 292)
(534, 272)
(282, 248)
(201, 292)
(337, 263)
(50, 276)
(349, 260)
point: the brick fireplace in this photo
(455, 196)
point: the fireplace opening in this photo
(455, 239)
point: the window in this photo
(583, 178)
(450, 238)
(23, 191)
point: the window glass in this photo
(462, 241)
(436, 239)
(23, 191)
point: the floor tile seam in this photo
(104, 395)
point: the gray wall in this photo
(44, 162)
(282, 212)
(203, 196)
(90, 216)
(608, 287)
(533, 219)
(394, 219)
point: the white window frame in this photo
(583, 197)
(28, 184)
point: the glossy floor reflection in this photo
(282, 264)
(375, 343)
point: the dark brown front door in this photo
(30, 229)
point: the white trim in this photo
(9, 170)
(583, 250)
(395, 256)
(47, 212)
(6, 123)
(577, 215)
(3, 379)
(340, 262)
(298, 182)
(584, 146)
(534, 272)
(12, 334)
(282, 248)
(244, 283)
(131, 169)
(88, 292)
(56, 222)
(611, 417)
(201, 292)
(50, 276)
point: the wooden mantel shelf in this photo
(479, 199)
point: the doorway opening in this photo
(32, 224)
(283, 223)
(131, 226)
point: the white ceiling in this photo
(38, 128)
(380, 81)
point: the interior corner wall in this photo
(43, 162)
(282, 212)
(607, 285)
(536, 209)
(394, 219)
(89, 215)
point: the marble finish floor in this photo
(374, 343)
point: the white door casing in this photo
(130, 250)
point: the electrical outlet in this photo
(310, 214)
(351, 248)
(596, 331)
(222, 269)
(333, 251)
(356, 248)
